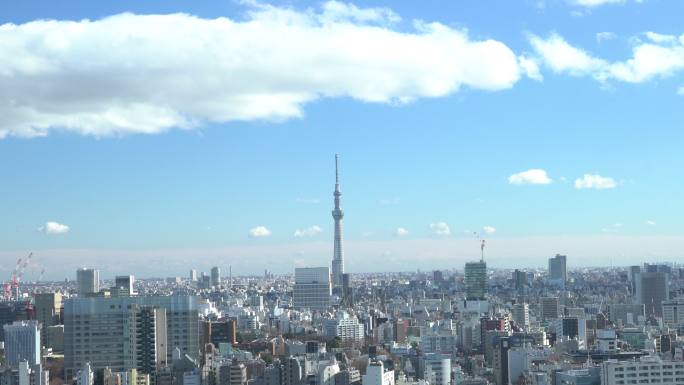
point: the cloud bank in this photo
(658, 56)
(130, 73)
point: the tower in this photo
(337, 214)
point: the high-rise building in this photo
(521, 314)
(233, 373)
(224, 332)
(568, 328)
(88, 281)
(129, 323)
(193, 275)
(293, 371)
(150, 339)
(48, 309)
(651, 290)
(376, 375)
(22, 342)
(633, 275)
(649, 369)
(312, 288)
(519, 280)
(550, 308)
(437, 368)
(558, 268)
(337, 214)
(123, 285)
(476, 280)
(673, 313)
(215, 276)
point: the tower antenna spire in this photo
(337, 214)
(337, 172)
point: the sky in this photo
(152, 137)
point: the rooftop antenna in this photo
(482, 246)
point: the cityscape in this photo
(309, 192)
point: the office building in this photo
(651, 290)
(293, 371)
(519, 280)
(436, 368)
(88, 281)
(521, 314)
(48, 308)
(649, 369)
(193, 275)
(673, 312)
(337, 214)
(376, 375)
(233, 373)
(22, 342)
(627, 314)
(476, 280)
(151, 338)
(550, 308)
(123, 285)
(123, 317)
(571, 328)
(55, 337)
(224, 332)
(344, 327)
(558, 268)
(215, 276)
(312, 288)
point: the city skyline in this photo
(565, 140)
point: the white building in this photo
(521, 314)
(606, 340)
(649, 369)
(437, 369)
(376, 375)
(344, 327)
(313, 288)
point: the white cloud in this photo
(651, 222)
(335, 11)
(660, 38)
(660, 57)
(259, 232)
(680, 91)
(532, 176)
(605, 36)
(52, 228)
(132, 73)
(308, 232)
(562, 57)
(598, 182)
(530, 68)
(440, 228)
(489, 229)
(401, 232)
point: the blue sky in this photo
(132, 164)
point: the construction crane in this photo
(13, 284)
